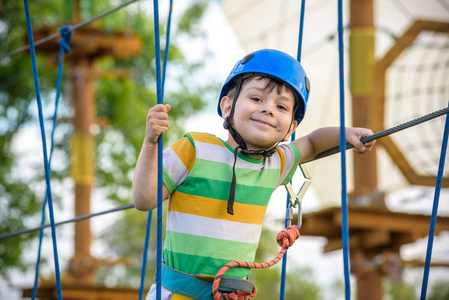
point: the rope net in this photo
(416, 85)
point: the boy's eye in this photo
(256, 99)
(282, 107)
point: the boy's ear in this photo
(225, 106)
(291, 130)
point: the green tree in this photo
(439, 291)
(399, 290)
(124, 102)
(19, 200)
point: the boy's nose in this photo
(267, 110)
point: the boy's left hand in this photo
(355, 134)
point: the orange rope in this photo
(285, 239)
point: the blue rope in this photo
(293, 137)
(433, 219)
(160, 100)
(44, 146)
(284, 259)
(344, 194)
(66, 36)
(301, 29)
(150, 213)
(145, 254)
(167, 44)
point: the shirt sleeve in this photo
(290, 157)
(178, 160)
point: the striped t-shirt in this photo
(201, 236)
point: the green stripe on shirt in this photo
(212, 247)
(220, 190)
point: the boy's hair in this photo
(271, 84)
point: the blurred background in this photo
(396, 70)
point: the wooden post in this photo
(82, 164)
(361, 71)
(369, 281)
(76, 17)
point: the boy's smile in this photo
(263, 114)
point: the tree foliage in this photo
(402, 290)
(439, 291)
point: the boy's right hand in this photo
(157, 122)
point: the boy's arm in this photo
(144, 188)
(329, 137)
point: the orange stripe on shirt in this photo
(213, 208)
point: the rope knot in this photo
(288, 236)
(66, 36)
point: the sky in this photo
(224, 43)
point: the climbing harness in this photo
(194, 286)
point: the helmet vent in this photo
(247, 58)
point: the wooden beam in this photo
(335, 243)
(368, 223)
(406, 169)
(375, 238)
(318, 226)
(408, 37)
(88, 42)
(390, 221)
(421, 263)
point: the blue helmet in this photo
(277, 64)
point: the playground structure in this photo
(369, 239)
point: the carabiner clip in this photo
(295, 200)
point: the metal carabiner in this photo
(295, 200)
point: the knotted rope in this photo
(66, 37)
(285, 239)
(64, 46)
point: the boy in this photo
(219, 190)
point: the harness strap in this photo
(197, 288)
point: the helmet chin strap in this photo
(242, 146)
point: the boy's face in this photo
(262, 116)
